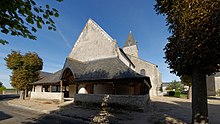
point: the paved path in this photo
(14, 115)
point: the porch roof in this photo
(102, 70)
(51, 79)
(108, 69)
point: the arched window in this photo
(142, 72)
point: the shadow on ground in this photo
(8, 97)
(174, 112)
(4, 116)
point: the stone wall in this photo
(217, 83)
(103, 89)
(131, 50)
(72, 90)
(10, 91)
(48, 96)
(211, 90)
(93, 43)
(134, 102)
(152, 71)
(38, 88)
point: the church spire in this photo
(130, 40)
(130, 46)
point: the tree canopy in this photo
(23, 17)
(176, 85)
(194, 45)
(25, 68)
(195, 28)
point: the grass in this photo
(183, 96)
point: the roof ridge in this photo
(99, 27)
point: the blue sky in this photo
(116, 17)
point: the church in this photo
(97, 67)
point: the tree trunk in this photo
(199, 97)
(22, 94)
(26, 92)
(189, 94)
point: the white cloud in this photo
(64, 38)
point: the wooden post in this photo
(114, 89)
(77, 85)
(61, 85)
(50, 88)
(33, 89)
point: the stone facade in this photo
(58, 97)
(143, 67)
(213, 84)
(139, 102)
(151, 70)
(93, 43)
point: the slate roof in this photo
(53, 78)
(44, 74)
(109, 69)
(130, 40)
(102, 69)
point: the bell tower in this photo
(130, 46)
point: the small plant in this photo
(218, 92)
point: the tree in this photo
(194, 46)
(2, 87)
(176, 85)
(187, 80)
(23, 17)
(25, 69)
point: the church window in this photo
(142, 72)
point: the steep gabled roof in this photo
(93, 43)
(130, 40)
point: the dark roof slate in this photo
(109, 69)
(44, 74)
(53, 78)
(102, 69)
(130, 40)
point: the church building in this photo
(97, 67)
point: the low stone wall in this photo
(10, 91)
(133, 102)
(48, 96)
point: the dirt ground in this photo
(178, 110)
(162, 110)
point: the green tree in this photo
(25, 69)
(2, 87)
(176, 85)
(187, 80)
(194, 46)
(23, 17)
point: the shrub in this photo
(218, 92)
(1, 89)
(171, 93)
(174, 93)
(177, 93)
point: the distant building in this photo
(213, 84)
